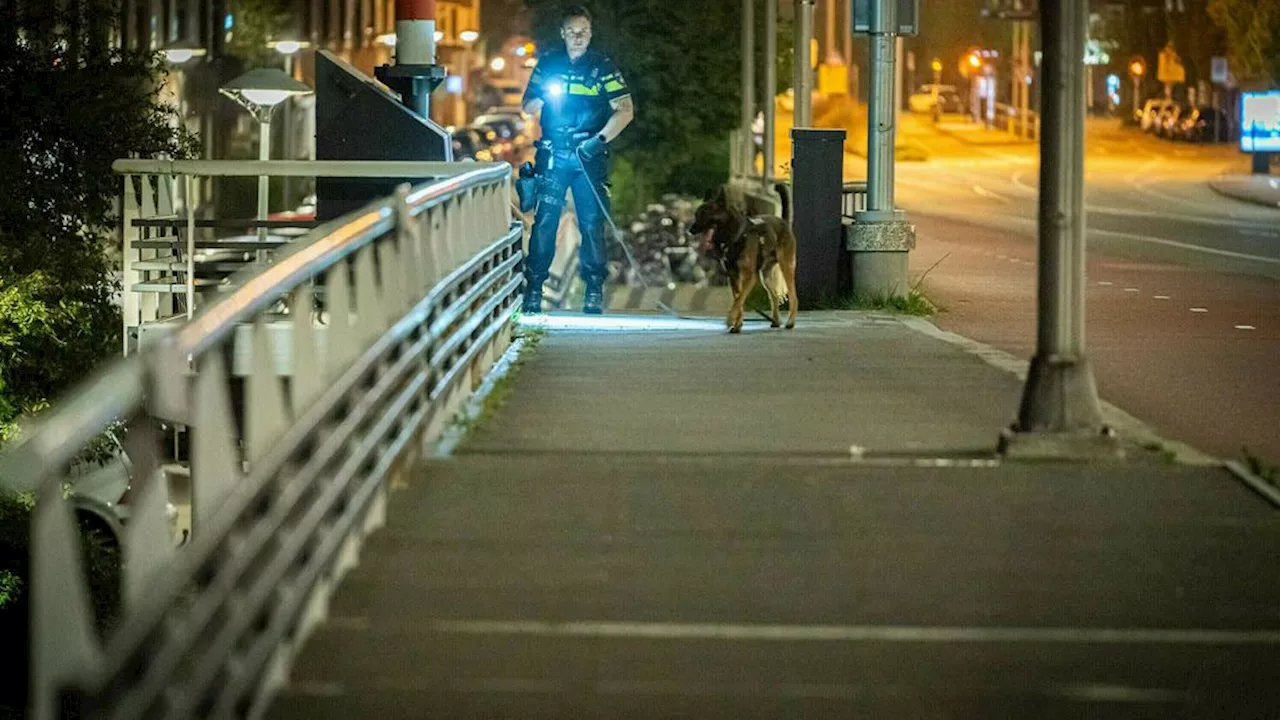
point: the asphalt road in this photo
(1184, 284)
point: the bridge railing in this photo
(288, 473)
(174, 261)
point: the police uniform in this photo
(576, 97)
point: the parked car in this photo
(948, 98)
(1150, 112)
(1202, 124)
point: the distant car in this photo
(1202, 124)
(1151, 111)
(922, 100)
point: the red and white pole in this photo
(415, 32)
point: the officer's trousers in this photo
(562, 171)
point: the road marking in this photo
(1022, 185)
(1132, 290)
(855, 633)
(1199, 310)
(983, 192)
(1241, 225)
(1105, 283)
(1160, 297)
(1246, 327)
(1260, 233)
(1187, 246)
(1090, 692)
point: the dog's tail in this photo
(776, 283)
(785, 196)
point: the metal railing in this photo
(172, 261)
(418, 292)
(1007, 119)
(853, 200)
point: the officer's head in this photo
(575, 28)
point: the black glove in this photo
(592, 148)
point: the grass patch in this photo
(1263, 469)
(913, 303)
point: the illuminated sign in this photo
(1260, 121)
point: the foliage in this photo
(256, 23)
(682, 63)
(1253, 38)
(73, 105)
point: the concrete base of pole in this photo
(878, 252)
(1059, 417)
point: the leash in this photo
(618, 236)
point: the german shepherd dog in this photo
(748, 247)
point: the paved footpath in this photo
(675, 523)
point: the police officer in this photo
(585, 104)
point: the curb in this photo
(1244, 196)
(1126, 425)
(453, 435)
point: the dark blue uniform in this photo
(576, 97)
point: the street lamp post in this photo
(1059, 416)
(1137, 68)
(289, 49)
(260, 91)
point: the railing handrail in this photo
(57, 437)
(434, 275)
(298, 168)
(305, 259)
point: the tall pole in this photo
(748, 84)
(882, 107)
(830, 53)
(880, 240)
(1028, 67)
(416, 47)
(770, 90)
(1060, 414)
(803, 71)
(264, 153)
(846, 30)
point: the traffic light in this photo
(1137, 67)
(936, 65)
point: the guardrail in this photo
(1008, 118)
(418, 295)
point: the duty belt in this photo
(562, 140)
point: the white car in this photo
(1153, 109)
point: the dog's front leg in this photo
(735, 291)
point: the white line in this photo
(1186, 246)
(1105, 283)
(1018, 182)
(1132, 290)
(1160, 297)
(1246, 327)
(1243, 226)
(983, 192)
(1199, 310)
(855, 633)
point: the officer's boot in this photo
(593, 300)
(532, 304)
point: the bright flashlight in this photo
(555, 89)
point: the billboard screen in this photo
(1260, 121)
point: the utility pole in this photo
(748, 149)
(1060, 416)
(879, 239)
(770, 91)
(1027, 65)
(803, 84)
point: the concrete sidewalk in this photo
(1256, 189)
(668, 521)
